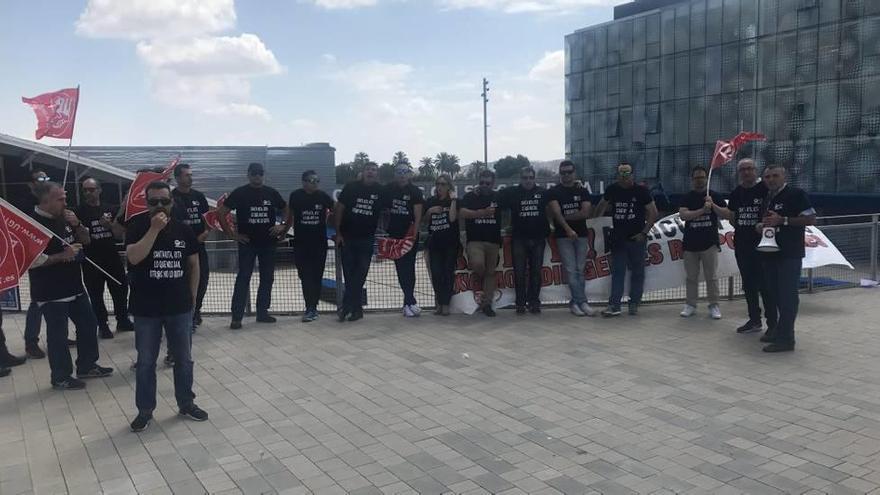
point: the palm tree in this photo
(426, 169)
(448, 164)
(400, 158)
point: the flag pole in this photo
(70, 141)
(86, 258)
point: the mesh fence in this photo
(857, 241)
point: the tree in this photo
(510, 166)
(345, 173)
(472, 170)
(426, 169)
(386, 172)
(360, 159)
(400, 158)
(546, 173)
(447, 164)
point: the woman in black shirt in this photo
(443, 241)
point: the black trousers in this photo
(95, 281)
(442, 262)
(783, 279)
(528, 258)
(754, 284)
(310, 262)
(406, 275)
(204, 273)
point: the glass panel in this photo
(625, 41)
(713, 70)
(626, 85)
(828, 51)
(852, 9)
(730, 77)
(652, 47)
(682, 113)
(746, 106)
(731, 20)
(748, 19)
(697, 122)
(713, 119)
(590, 90)
(788, 15)
(698, 73)
(668, 123)
(807, 15)
(826, 109)
(601, 47)
(850, 57)
(786, 58)
(767, 113)
(626, 126)
(785, 100)
(667, 32)
(601, 89)
(870, 34)
(652, 119)
(767, 62)
(829, 10)
(748, 61)
(638, 83)
(682, 76)
(667, 89)
(682, 28)
(714, 27)
(638, 118)
(849, 108)
(613, 81)
(652, 73)
(767, 17)
(638, 45)
(613, 46)
(729, 115)
(698, 23)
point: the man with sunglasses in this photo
(307, 213)
(744, 210)
(570, 206)
(482, 224)
(633, 214)
(257, 207)
(404, 203)
(163, 263)
(356, 216)
(190, 206)
(104, 231)
(528, 218)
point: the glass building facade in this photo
(658, 88)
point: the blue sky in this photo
(365, 75)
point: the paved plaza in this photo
(513, 405)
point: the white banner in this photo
(664, 265)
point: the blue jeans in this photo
(574, 258)
(147, 337)
(783, 276)
(631, 255)
(32, 323)
(356, 257)
(247, 257)
(80, 313)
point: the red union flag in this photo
(393, 249)
(9, 275)
(212, 219)
(136, 201)
(56, 112)
(726, 150)
(27, 238)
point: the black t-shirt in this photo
(441, 232)
(487, 229)
(627, 209)
(160, 283)
(528, 215)
(401, 203)
(58, 280)
(747, 204)
(190, 209)
(701, 233)
(362, 205)
(256, 209)
(790, 202)
(570, 200)
(102, 243)
(310, 217)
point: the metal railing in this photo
(855, 236)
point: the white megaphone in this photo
(768, 241)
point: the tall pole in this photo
(485, 123)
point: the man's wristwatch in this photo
(785, 221)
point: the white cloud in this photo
(550, 68)
(343, 4)
(528, 123)
(374, 76)
(526, 6)
(243, 55)
(143, 19)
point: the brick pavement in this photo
(539, 405)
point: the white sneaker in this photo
(408, 312)
(576, 310)
(417, 311)
(715, 311)
(688, 311)
(587, 310)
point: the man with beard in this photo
(190, 207)
(104, 231)
(163, 257)
(482, 216)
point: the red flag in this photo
(212, 219)
(393, 249)
(9, 275)
(136, 201)
(169, 170)
(56, 112)
(28, 239)
(726, 150)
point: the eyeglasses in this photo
(256, 172)
(159, 201)
(313, 180)
(625, 174)
(566, 172)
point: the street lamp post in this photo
(485, 95)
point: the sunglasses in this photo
(159, 201)
(256, 172)
(313, 180)
(566, 172)
(42, 179)
(625, 174)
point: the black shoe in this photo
(141, 422)
(197, 320)
(169, 360)
(235, 325)
(266, 319)
(778, 347)
(124, 325)
(33, 351)
(104, 331)
(4, 371)
(69, 383)
(342, 314)
(520, 310)
(71, 343)
(768, 337)
(633, 310)
(611, 312)
(9, 361)
(750, 327)
(535, 309)
(194, 413)
(95, 372)
(356, 315)
(488, 311)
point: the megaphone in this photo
(768, 241)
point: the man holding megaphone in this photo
(788, 211)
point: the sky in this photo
(364, 75)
